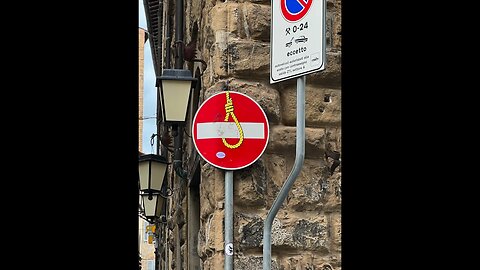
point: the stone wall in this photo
(234, 40)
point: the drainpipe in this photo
(178, 130)
(179, 20)
(168, 41)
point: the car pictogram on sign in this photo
(301, 39)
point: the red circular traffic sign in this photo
(295, 10)
(230, 130)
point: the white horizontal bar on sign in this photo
(229, 130)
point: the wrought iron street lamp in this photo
(176, 86)
(152, 170)
(152, 205)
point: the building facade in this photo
(146, 248)
(232, 38)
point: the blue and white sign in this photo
(297, 40)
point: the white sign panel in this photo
(297, 40)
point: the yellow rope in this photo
(229, 112)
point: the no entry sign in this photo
(230, 130)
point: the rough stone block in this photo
(241, 20)
(333, 138)
(294, 233)
(266, 2)
(218, 17)
(207, 189)
(201, 242)
(240, 58)
(211, 234)
(309, 191)
(337, 30)
(219, 194)
(307, 261)
(283, 140)
(212, 184)
(336, 231)
(249, 185)
(252, 263)
(334, 8)
(267, 97)
(249, 59)
(333, 200)
(251, 231)
(255, 21)
(310, 235)
(218, 229)
(322, 106)
(219, 57)
(331, 76)
(276, 174)
(215, 262)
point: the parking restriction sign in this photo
(297, 43)
(230, 130)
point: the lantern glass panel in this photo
(176, 96)
(151, 170)
(150, 205)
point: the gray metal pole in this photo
(228, 220)
(297, 166)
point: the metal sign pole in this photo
(228, 220)
(297, 166)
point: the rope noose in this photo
(229, 112)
